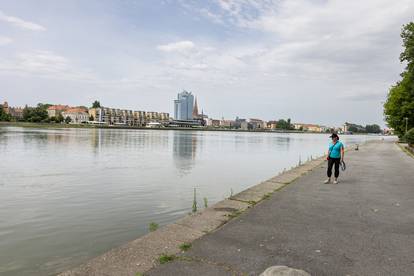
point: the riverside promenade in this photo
(362, 226)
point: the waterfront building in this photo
(244, 125)
(77, 115)
(237, 123)
(184, 106)
(257, 124)
(226, 123)
(212, 122)
(16, 112)
(307, 127)
(56, 110)
(140, 118)
(112, 116)
(153, 116)
(271, 124)
(164, 117)
(95, 114)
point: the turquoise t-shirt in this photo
(335, 149)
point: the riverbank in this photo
(87, 126)
(144, 253)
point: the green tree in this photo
(96, 104)
(373, 128)
(68, 120)
(353, 129)
(409, 137)
(4, 116)
(284, 124)
(400, 100)
(59, 118)
(36, 114)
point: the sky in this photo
(320, 61)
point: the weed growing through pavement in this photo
(185, 246)
(153, 226)
(165, 258)
(194, 209)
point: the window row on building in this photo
(113, 116)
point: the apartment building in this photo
(77, 115)
(307, 127)
(16, 112)
(113, 116)
(56, 110)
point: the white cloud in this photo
(181, 46)
(44, 64)
(329, 38)
(20, 23)
(5, 40)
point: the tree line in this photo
(38, 114)
(399, 106)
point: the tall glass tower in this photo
(183, 106)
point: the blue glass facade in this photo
(183, 106)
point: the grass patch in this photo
(194, 207)
(252, 202)
(235, 214)
(165, 258)
(266, 196)
(139, 274)
(185, 246)
(406, 150)
(153, 226)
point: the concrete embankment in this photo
(140, 255)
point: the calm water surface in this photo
(67, 195)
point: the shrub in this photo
(409, 137)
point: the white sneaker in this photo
(336, 181)
(327, 181)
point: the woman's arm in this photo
(342, 153)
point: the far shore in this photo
(88, 126)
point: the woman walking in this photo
(335, 157)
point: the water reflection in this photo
(184, 151)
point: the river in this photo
(67, 195)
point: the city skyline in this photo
(191, 109)
(264, 59)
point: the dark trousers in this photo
(331, 162)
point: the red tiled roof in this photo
(58, 107)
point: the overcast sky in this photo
(321, 61)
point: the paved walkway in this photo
(362, 226)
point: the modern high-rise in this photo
(183, 106)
